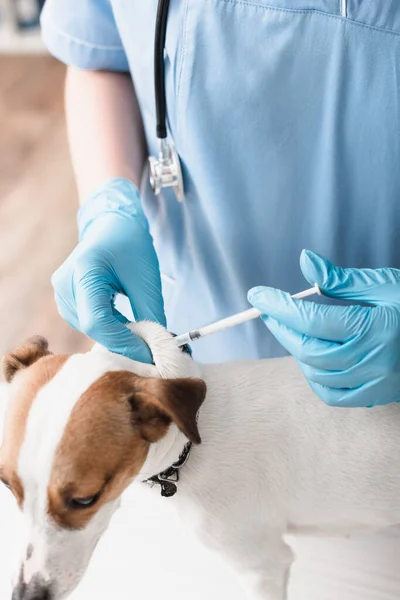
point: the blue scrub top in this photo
(286, 116)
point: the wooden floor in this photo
(37, 202)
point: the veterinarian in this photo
(285, 115)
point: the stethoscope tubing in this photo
(159, 70)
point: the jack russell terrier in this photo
(272, 458)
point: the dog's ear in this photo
(157, 402)
(23, 356)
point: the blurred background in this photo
(38, 199)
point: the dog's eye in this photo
(80, 503)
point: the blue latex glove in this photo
(350, 355)
(115, 254)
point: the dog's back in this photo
(320, 467)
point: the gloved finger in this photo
(116, 313)
(62, 283)
(98, 321)
(366, 395)
(148, 304)
(119, 316)
(66, 311)
(318, 354)
(323, 321)
(364, 285)
(353, 377)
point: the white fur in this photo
(274, 459)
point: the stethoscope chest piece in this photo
(165, 171)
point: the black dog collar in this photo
(168, 479)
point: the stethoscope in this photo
(165, 170)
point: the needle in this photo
(232, 321)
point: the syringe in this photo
(232, 321)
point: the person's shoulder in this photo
(83, 34)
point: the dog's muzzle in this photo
(36, 590)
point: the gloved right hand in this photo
(115, 254)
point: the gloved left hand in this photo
(115, 255)
(350, 355)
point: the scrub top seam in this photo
(309, 11)
(81, 42)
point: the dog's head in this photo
(78, 431)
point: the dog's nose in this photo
(31, 592)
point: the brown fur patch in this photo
(108, 435)
(34, 377)
(25, 355)
(100, 450)
(180, 399)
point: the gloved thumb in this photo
(373, 286)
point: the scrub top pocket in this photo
(382, 14)
(328, 6)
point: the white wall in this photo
(13, 41)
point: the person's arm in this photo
(104, 128)
(115, 254)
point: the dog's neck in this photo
(169, 362)
(163, 453)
